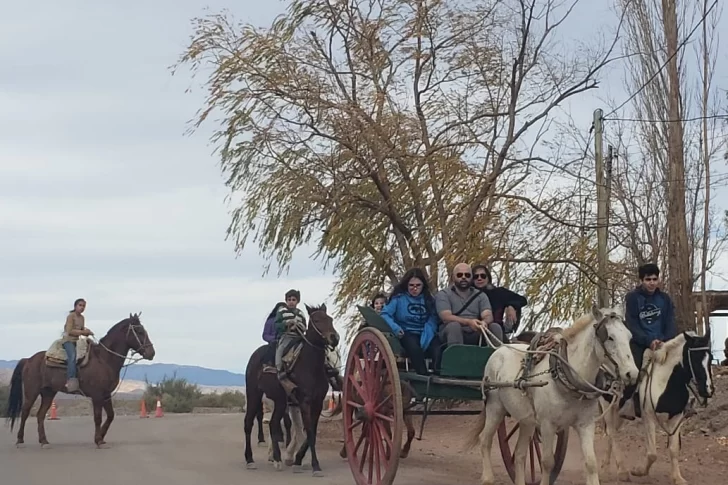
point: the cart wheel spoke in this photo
(534, 453)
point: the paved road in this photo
(179, 449)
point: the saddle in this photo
(289, 360)
(55, 356)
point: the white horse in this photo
(297, 432)
(663, 394)
(597, 338)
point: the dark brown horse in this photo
(309, 374)
(98, 379)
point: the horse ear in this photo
(323, 307)
(131, 316)
(596, 312)
(308, 310)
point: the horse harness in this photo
(559, 368)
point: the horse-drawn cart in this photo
(374, 410)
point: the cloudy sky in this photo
(103, 197)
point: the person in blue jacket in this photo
(650, 316)
(412, 317)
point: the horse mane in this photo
(581, 324)
(316, 308)
(675, 344)
(118, 325)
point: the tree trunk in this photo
(678, 251)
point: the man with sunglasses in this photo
(464, 310)
(650, 316)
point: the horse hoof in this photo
(624, 477)
(261, 444)
(251, 466)
(297, 469)
(20, 445)
(289, 462)
(306, 467)
(45, 446)
(278, 466)
(318, 474)
(103, 446)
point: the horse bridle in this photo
(142, 345)
(600, 329)
(694, 379)
(326, 345)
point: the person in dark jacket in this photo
(650, 316)
(269, 332)
(507, 305)
(412, 317)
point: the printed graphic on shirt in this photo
(650, 313)
(417, 309)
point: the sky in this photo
(103, 196)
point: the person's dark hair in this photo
(377, 297)
(402, 286)
(485, 270)
(295, 293)
(648, 269)
(275, 309)
(75, 303)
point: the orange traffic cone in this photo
(54, 412)
(143, 413)
(158, 413)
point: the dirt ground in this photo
(194, 449)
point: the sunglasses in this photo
(463, 275)
(481, 276)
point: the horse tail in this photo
(473, 438)
(15, 399)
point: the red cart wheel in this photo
(508, 430)
(372, 409)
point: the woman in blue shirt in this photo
(412, 317)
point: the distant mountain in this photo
(156, 372)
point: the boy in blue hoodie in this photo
(650, 316)
(411, 315)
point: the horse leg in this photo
(108, 406)
(586, 436)
(674, 445)
(252, 401)
(494, 415)
(297, 434)
(408, 422)
(612, 423)
(261, 433)
(98, 406)
(305, 408)
(525, 434)
(29, 398)
(276, 431)
(46, 397)
(314, 416)
(648, 419)
(548, 439)
(287, 425)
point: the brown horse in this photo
(98, 379)
(309, 374)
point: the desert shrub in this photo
(180, 396)
(4, 395)
(227, 399)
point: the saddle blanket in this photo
(289, 360)
(56, 354)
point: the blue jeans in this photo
(70, 348)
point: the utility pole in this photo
(602, 210)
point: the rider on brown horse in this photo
(75, 327)
(290, 326)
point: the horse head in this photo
(612, 343)
(697, 354)
(131, 333)
(321, 327)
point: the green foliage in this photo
(4, 395)
(396, 136)
(179, 396)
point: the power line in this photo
(683, 120)
(680, 46)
